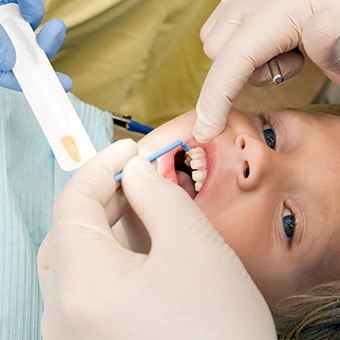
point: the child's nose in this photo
(257, 161)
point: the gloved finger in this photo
(81, 230)
(166, 210)
(291, 63)
(55, 31)
(116, 207)
(32, 11)
(51, 37)
(8, 80)
(65, 80)
(89, 190)
(7, 51)
(66, 256)
(321, 40)
(235, 64)
(225, 26)
(211, 21)
(44, 253)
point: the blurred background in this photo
(144, 58)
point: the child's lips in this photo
(166, 167)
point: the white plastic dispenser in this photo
(57, 117)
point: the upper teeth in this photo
(196, 158)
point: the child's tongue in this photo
(185, 181)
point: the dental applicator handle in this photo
(159, 153)
(59, 121)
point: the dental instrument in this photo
(163, 151)
(57, 117)
(130, 124)
(275, 71)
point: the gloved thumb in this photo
(166, 210)
(321, 40)
(7, 52)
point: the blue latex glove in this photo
(50, 39)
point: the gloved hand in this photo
(190, 286)
(50, 39)
(241, 36)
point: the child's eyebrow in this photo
(301, 115)
(326, 204)
(321, 231)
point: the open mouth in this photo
(191, 169)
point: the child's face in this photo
(276, 206)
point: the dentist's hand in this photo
(190, 286)
(242, 35)
(50, 39)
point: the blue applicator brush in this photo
(154, 156)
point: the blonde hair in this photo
(314, 315)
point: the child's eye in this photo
(288, 220)
(269, 135)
